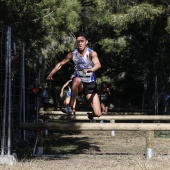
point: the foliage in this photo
(131, 37)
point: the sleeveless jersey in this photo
(103, 95)
(82, 63)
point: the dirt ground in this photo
(98, 150)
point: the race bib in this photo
(103, 97)
(83, 74)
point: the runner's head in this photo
(81, 41)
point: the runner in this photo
(86, 63)
(68, 97)
(105, 94)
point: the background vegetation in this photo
(132, 38)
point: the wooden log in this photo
(149, 138)
(96, 126)
(106, 117)
(112, 132)
(85, 112)
(149, 144)
(60, 112)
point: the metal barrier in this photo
(11, 92)
(18, 101)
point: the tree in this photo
(131, 37)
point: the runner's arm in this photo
(95, 60)
(108, 91)
(59, 65)
(62, 89)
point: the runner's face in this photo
(81, 43)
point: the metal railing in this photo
(18, 102)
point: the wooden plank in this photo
(96, 126)
(107, 117)
(149, 139)
(85, 112)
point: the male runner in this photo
(86, 63)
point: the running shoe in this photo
(91, 117)
(67, 110)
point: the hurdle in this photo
(148, 127)
(111, 118)
(85, 112)
(105, 117)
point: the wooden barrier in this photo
(106, 117)
(85, 112)
(148, 127)
(96, 126)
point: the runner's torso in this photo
(81, 63)
(103, 95)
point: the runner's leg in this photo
(77, 87)
(74, 107)
(95, 103)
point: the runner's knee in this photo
(98, 113)
(76, 81)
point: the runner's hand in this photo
(88, 70)
(49, 77)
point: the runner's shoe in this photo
(67, 110)
(90, 116)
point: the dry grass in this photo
(100, 151)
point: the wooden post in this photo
(40, 142)
(112, 132)
(149, 143)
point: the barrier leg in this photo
(40, 147)
(149, 144)
(112, 132)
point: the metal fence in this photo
(18, 98)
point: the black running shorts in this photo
(89, 88)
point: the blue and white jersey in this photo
(81, 63)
